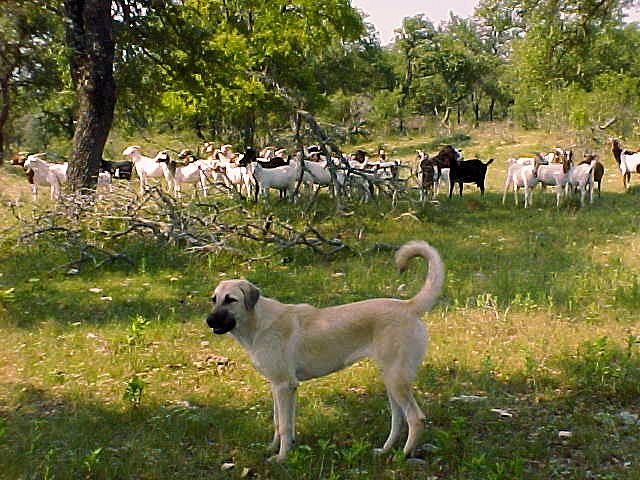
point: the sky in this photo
(387, 15)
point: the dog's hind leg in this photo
(398, 371)
(397, 421)
(400, 390)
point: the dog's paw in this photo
(277, 458)
(274, 446)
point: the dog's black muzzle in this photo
(221, 321)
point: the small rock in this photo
(565, 434)
(628, 418)
(468, 398)
(502, 412)
(95, 290)
(227, 466)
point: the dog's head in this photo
(232, 301)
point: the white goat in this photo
(525, 160)
(211, 172)
(146, 167)
(555, 175)
(105, 180)
(441, 178)
(581, 179)
(629, 163)
(53, 175)
(556, 155)
(283, 178)
(317, 173)
(190, 174)
(520, 176)
(239, 177)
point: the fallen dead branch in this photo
(97, 230)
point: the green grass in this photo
(539, 318)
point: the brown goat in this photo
(598, 169)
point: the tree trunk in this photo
(249, 129)
(297, 119)
(89, 35)
(445, 122)
(476, 111)
(4, 113)
(491, 107)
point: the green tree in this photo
(414, 40)
(26, 31)
(560, 49)
(228, 65)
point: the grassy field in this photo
(533, 368)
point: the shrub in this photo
(601, 366)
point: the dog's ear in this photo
(251, 294)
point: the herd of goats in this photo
(252, 174)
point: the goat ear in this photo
(251, 295)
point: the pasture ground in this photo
(533, 368)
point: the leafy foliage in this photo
(237, 70)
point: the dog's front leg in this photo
(284, 399)
(275, 443)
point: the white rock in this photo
(468, 398)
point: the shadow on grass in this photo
(541, 256)
(510, 431)
(47, 436)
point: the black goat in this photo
(251, 156)
(121, 170)
(468, 171)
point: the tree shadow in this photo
(537, 254)
(512, 426)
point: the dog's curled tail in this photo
(429, 293)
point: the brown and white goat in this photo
(19, 159)
(598, 169)
(628, 161)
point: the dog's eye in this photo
(229, 299)
(213, 299)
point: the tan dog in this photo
(291, 343)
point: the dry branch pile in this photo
(96, 229)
